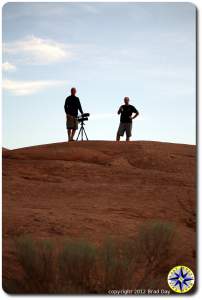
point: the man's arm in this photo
(136, 114)
(79, 107)
(65, 106)
(120, 109)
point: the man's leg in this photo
(128, 131)
(73, 133)
(118, 137)
(120, 131)
(69, 131)
(69, 126)
(75, 127)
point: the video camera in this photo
(83, 117)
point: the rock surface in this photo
(98, 188)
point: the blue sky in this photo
(145, 51)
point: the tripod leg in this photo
(85, 134)
(78, 134)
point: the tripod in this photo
(82, 132)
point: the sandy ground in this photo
(96, 188)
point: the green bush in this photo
(78, 267)
(154, 240)
(36, 259)
(153, 248)
(116, 262)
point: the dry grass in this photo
(37, 261)
(77, 266)
(81, 268)
(154, 249)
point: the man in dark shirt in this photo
(72, 105)
(128, 113)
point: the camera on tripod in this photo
(83, 117)
(82, 132)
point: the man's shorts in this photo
(125, 127)
(72, 122)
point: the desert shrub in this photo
(37, 262)
(110, 265)
(77, 266)
(153, 246)
(115, 261)
(154, 240)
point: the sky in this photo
(145, 51)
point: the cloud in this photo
(6, 66)
(35, 50)
(23, 88)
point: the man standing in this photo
(72, 105)
(128, 113)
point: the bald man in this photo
(128, 113)
(72, 106)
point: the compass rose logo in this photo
(181, 279)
